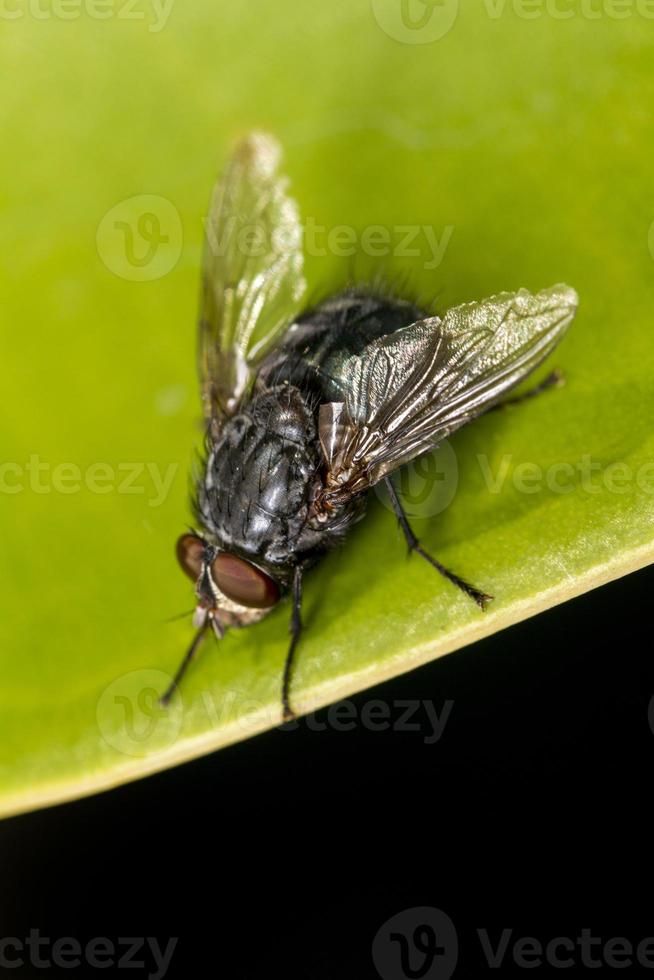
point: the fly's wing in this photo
(252, 282)
(409, 390)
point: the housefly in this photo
(307, 409)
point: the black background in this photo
(285, 854)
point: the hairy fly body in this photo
(306, 411)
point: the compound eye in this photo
(190, 555)
(243, 583)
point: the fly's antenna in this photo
(164, 700)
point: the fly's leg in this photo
(296, 628)
(553, 380)
(218, 632)
(164, 700)
(481, 598)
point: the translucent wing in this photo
(252, 282)
(410, 389)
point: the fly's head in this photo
(230, 590)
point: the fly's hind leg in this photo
(554, 380)
(481, 598)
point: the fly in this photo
(306, 410)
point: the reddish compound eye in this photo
(190, 554)
(243, 583)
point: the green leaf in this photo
(520, 140)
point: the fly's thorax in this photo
(259, 479)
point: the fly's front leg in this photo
(296, 628)
(553, 380)
(481, 598)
